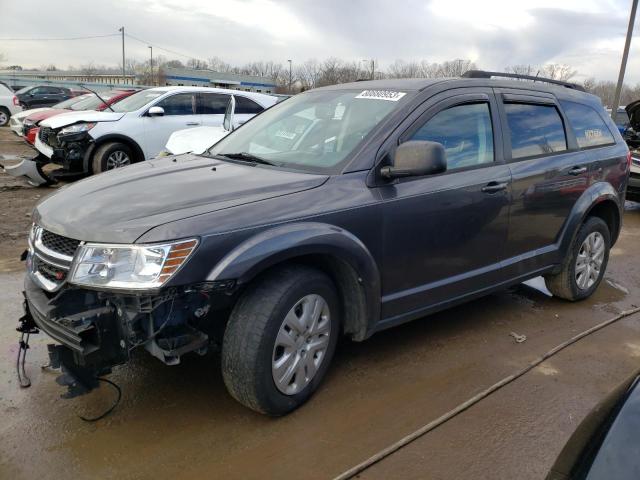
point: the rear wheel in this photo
(280, 339)
(585, 264)
(110, 156)
(5, 115)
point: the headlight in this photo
(133, 267)
(635, 161)
(77, 128)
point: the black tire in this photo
(250, 336)
(564, 283)
(4, 119)
(103, 152)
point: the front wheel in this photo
(585, 264)
(110, 156)
(5, 115)
(280, 339)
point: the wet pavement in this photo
(179, 422)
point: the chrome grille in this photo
(50, 272)
(50, 258)
(58, 243)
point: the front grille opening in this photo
(58, 243)
(51, 273)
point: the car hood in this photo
(70, 118)
(48, 113)
(194, 140)
(633, 110)
(120, 205)
(25, 113)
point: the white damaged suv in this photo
(138, 127)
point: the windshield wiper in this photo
(246, 157)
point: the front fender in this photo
(597, 193)
(287, 242)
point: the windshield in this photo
(137, 101)
(92, 102)
(23, 90)
(314, 131)
(72, 101)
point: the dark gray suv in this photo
(342, 211)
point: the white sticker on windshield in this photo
(381, 95)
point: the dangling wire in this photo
(25, 381)
(115, 404)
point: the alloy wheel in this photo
(301, 344)
(117, 159)
(589, 260)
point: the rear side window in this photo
(535, 130)
(180, 104)
(213, 103)
(588, 126)
(465, 132)
(245, 105)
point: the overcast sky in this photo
(588, 34)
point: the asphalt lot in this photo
(179, 422)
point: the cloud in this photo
(587, 34)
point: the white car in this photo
(200, 139)
(138, 127)
(9, 104)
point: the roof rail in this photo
(485, 74)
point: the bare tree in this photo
(174, 64)
(401, 69)
(309, 74)
(557, 71)
(455, 68)
(88, 69)
(197, 64)
(219, 65)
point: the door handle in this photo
(494, 187)
(191, 124)
(577, 170)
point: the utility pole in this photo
(373, 69)
(623, 65)
(151, 64)
(124, 73)
(290, 75)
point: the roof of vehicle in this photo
(417, 84)
(253, 95)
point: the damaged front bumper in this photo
(31, 171)
(97, 331)
(72, 151)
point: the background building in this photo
(210, 78)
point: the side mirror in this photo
(156, 112)
(416, 158)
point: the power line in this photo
(56, 39)
(159, 47)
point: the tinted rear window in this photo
(535, 130)
(588, 126)
(245, 105)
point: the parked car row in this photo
(139, 127)
(26, 121)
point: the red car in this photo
(83, 102)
